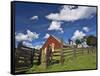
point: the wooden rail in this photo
(70, 52)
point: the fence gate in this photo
(53, 57)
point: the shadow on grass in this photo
(54, 61)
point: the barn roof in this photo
(58, 39)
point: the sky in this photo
(35, 22)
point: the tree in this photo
(77, 41)
(91, 40)
(82, 41)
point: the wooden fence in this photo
(25, 58)
(58, 56)
(36, 57)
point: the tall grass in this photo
(81, 62)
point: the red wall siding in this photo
(51, 40)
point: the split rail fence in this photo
(58, 56)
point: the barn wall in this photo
(51, 40)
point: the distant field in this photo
(84, 61)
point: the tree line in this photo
(90, 41)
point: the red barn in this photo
(54, 42)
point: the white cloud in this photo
(46, 36)
(37, 46)
(34, 17)
(21, 37)
(85, 44)
(72, 13)
(55, 25)
(86, 29)
(29, 36)
(28, 44)
(32, 35)
(78, 35)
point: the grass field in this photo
(81, 62)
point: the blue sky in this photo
(35, 22)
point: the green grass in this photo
(83, 61)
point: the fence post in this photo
(43, 57)
(88, 50)
(48, 55)
(47, 58)
(62, 54)
(74, 52)
(32, 55)
(62, 57)
(39, 57)
(82, 50)
(92, 49)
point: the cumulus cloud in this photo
(29, 36)
(32, 35)
(21, 37)
(37, 46)
(72, 13)
(34, 18)
(86, 29)
(78, 35)
(46, 36)
(55, 25)
(28, 44)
